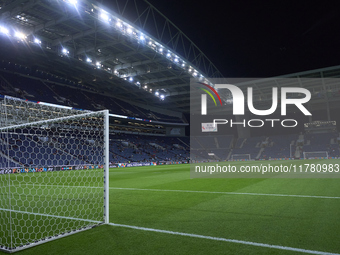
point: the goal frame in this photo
(306, 152)
(105, 115)
(232, 157)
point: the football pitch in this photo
(161, 210)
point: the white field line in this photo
(227, 193)
(221, 239)
(191, 191)
(263, 245)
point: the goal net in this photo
(53, 172)
(315, 154)
(240, 157)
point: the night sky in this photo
(260, 38)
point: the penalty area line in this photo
(263, 245)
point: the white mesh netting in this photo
(51, 172)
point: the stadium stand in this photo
(279, 147)
(22, 82)
(250, 146)
(125, 148)
(321, 142)
(33, 84)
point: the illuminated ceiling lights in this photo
(129, 30)
(74, 2)
(19, 35)
(65, 51)
(4, 30)
(119, 24)
(104, 17)
(125, 29)
(37, 41)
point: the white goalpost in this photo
(54, 172)
(240, 157)
(315, 154)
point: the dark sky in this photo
(260, 38)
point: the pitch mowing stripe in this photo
(263, 245)
(226, 193)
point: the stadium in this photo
(119, 135)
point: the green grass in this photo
(157, 197)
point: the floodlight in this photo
(65, 51)
(104, 17)
(157, 93)
(162, 97)
(131, 79)
(129, 31)
(74, 2)
(19, 35)
(168, 55)
(118, 24)
(4, 30)
(142, 37)
(37, 41)
(89, 60)
(176, 60)
(160, 49)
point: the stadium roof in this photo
(137, 55)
